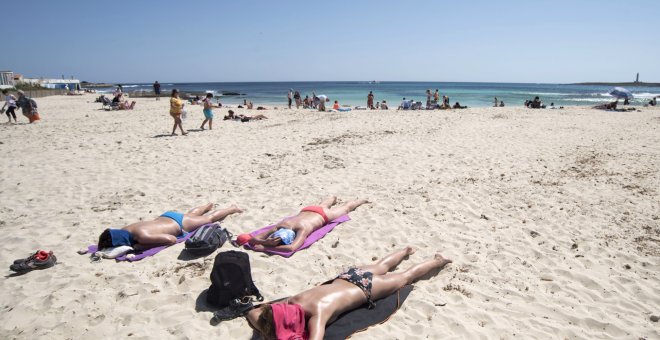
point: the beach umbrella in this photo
(621, 93)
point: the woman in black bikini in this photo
(307, 313)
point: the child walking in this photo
(10, 103)
(208, 111)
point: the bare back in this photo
(305, 222)
(328, 301)
(160, 225)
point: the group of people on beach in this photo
(318, 102)
(315, 102)
(432, 102)
(25, 103)
(178, 112)
(315, 307)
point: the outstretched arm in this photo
(316, 327)
(297, 243)
(263, 235)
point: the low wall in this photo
(39, 93)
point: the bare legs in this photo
(194, 219)
(389, 262)
(210, 121)
(385, 284)
(177, 122)
(335, 212)
(201, 210)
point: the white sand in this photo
(473, 183)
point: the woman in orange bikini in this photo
(291, 233)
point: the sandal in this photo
(236, 309)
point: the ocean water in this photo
(355, 93)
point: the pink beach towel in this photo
(313, 237)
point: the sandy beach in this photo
(552, 217)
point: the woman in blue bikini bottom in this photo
(164, 229)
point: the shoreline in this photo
(550, 216)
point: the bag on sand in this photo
(206, 239)
(231, 278)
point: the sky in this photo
(535, 41)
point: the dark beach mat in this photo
(362, 318)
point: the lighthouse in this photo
(637, 79)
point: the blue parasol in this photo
(621, 93)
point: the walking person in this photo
(157, 90)
(10, 103)
(176, 109)
(370, 100)
(290, 97)
(208, 111)
(29, 107)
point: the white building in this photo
(53, 83)
(6, 79)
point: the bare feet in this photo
(409, 250)
(173, 134)
(202, 127)
(442, 259)
(207, 207)
(235, 209)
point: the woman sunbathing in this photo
(306, 315)
(291, 233)
(608, 106)
(164, 229)
(243, 118)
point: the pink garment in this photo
(289, 322)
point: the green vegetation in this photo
(28, 87)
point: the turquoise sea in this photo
(355, 93)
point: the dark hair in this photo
(265, 322)
(209, 95)
(173, 92)
(105, 240)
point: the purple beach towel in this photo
(313, 237)
(140, 255)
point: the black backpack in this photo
(231, 278)
(206, 239)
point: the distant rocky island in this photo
(631, 83)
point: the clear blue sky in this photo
(248, 40)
